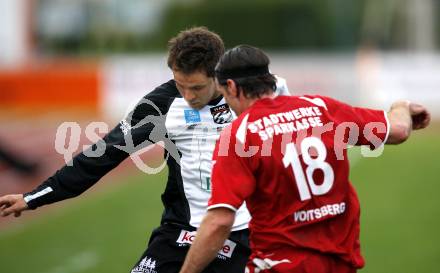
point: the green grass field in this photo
(107, 230)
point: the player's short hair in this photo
(248, 67)
(195, 49)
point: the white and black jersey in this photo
(189, 136)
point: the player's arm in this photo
(69, 181)
(85, 171)
(376, 127)
(211, 235)
(403, 117)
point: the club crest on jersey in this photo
(221, 114)
(192, 116)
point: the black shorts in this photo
(169, 244)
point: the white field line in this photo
(77, 263)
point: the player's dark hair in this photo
(248, 67)
(195, 49)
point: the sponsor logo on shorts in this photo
(187, 238)
(221, 114)
(318, 213)
(147, 265)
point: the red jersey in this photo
(286, 157)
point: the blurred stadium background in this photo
(90, 60)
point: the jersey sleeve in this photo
(232, 175)
(282, 89)
(143, 126)
(372, 125)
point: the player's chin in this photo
(196, 105)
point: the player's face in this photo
(196, 88)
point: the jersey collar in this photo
(215, 101)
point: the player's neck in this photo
(270, 95)
(216, 95)
(248, 102)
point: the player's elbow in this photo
(220, 219)
(399, 133)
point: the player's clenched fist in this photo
(12, 203)
(420, 116)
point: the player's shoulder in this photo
(233, 130)
(158, 100)
(165, 90)
(322, 101)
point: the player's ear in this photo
(232, 88)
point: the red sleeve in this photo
(372, 125)
(232, 176)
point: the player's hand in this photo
(420, 116)
(12, 204)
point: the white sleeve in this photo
(282, 89)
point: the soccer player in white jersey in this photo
(187, 113)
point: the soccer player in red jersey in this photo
(286, 158)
